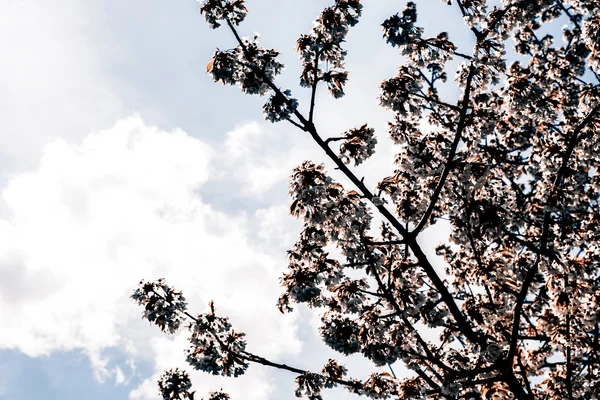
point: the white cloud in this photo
(53, 76)
(125, 204)
(275, 228)
(97, 217)
(261, 156)
(242, 141)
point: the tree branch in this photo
(313, 93)
(459, 130)
(568, 14)
(424, 262)
(545, 230)
(388, 243)
(390, 298)
(245, 355)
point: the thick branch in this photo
(515, 386)
(309, 127)
(551, 202)
(390, 298)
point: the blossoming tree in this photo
(513, 165)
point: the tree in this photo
(512, 165)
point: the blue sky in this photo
(121, 160)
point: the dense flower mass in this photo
(162, 305)
(280, 106)
(512, 163)
(591, 39)
(174, 384)
(324, 44)
(215, 347)
(248, 65)
(217, 11)
(358, 145)
(343, 217)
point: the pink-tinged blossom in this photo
(511, 163)
(358, 144)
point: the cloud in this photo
(53, 76)
(125, 204)
(261, 157)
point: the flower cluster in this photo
(323, 203)
(341, 333)
(358, 145)
(332, 216)
(324, 44)
(420, 162)
(162, 305)
(215, 11)
(512, 163)
(215, 347)
(248, 65)
(220, 395)
(309, 385)
(398, 93)
(254, 69)
(401, 30)
(423, 53)
(591, 35)
(174, 384)
(474, 12)
(380, 386)
(310, 270)
(334, 371)
(280, 106)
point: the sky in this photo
(120, 160)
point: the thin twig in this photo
(448, 166)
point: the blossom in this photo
(280, 106)
(511, 162)
(215, 347)
(162, 305)
(358, 145)
(247, 65)
(175, 384)
(216, 11)
(324, 44)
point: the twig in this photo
(448, 166)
